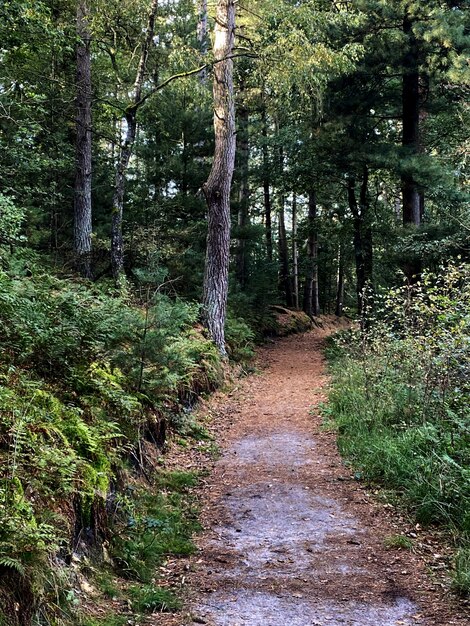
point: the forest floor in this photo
(290, 537)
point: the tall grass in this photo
(400, 400)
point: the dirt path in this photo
(291, 539)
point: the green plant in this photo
(150, 526)
(84, 373)
(240, 339)
(150, 599)
(461, 577)
(176, 481)
(107, 584)
(398, 542)
(109, 620)
(400, 397)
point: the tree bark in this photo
(266, 189)
(411, 105)
(311, 293)
(284, 273)
(130, 124)
(295, 254)
(218, 185)
(82, 223)
(243, 195)
(340, 283)
(202, 35)
(363, 250)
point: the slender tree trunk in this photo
(284, 273)
(295, 255)
(218, 185)
(202, 35)
(366, 227)
(82, 227)
(243, 195)
(185, 161)
(130, 124)
(413, 198)
(266, 189)
(340, 283)
(411, 105)
(285, 282)
(363, 251)
(311, 293)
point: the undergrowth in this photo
(400, 401)
(88, 373)
(152, 524)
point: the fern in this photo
(11, 563)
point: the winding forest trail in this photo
(291, 538)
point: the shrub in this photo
(400, 398)
(83, 373)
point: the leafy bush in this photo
(240, 339)
(401, 394)
(11, 219)
(83, 374)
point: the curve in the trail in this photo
(292, 540)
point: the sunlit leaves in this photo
(301, 51)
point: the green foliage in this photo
(11, 220)
(109, 620)
(461, 579)
(82, 375)
(150, 599)
(106, 583)
(151, 525)
(240, 339)
(401, 393)
(398, 542)
(87, 370)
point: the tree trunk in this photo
(410, 93)
(82, 226)
(202, 35)
(362, 238)
(284, 274)
(130, 123)
(340, 283)
(243, 195)
(367, 246)
(218, 185)
(311, 292)
(295, 255)
(266, 190)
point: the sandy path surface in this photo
(291, 538)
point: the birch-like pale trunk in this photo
(130, 124)
(82, 213)
(218, 185)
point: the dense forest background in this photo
(349, 196)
